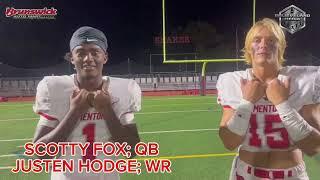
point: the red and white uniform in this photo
(266, 132)
(53, 102)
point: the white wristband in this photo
(239, 122)
(296, 126)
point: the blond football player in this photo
(260, 107)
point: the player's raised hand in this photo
(78, 100)
(102, 99)
(277, 91)
(252, 90)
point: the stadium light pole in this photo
(237, 46)
(129, 70)
(254, 12)
(69, 67)
(0, 73)
(150, 63)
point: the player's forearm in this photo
(310, 145)
(234, 124)
(63, 130)
(315, 123)
(113, 123)
(306, 137)
(119, 132)
(230, 140)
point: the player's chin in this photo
(89, 74)
(264, 61)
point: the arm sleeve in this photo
(42, 106)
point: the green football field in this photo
(185, 128)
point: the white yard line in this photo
(7, 167)
(156, 112)
(167, 112)
(177, 131)
(16, 105)
(184, 98)
(9, 155)
(143, 132)
(9, 140)
(19, 119)
(178, 104)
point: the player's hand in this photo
(78, 101)
(252, 90)
(277, 91)
(102, 99)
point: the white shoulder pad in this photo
(53, 95)
(42, 101)
(301, 84)
(135, 96)
(126, 96)
(298, 70)
(229, 91)
(316, 88)
(42, 106)
(133, 100)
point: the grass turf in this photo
(17, 121)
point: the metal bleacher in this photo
(26, 86)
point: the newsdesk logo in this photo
(292, 18)
(43, 13)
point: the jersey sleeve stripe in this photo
(227, 107)
(50, 118)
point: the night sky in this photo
(130, 27)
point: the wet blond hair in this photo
(274, 28)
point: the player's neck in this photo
(265, 74)
(90, 84)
